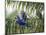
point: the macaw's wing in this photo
(21, 22)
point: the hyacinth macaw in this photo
(21, 21)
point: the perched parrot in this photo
(23, 20)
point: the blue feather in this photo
(21, 21)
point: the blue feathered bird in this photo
(23, 20)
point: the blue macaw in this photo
(21, 21)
